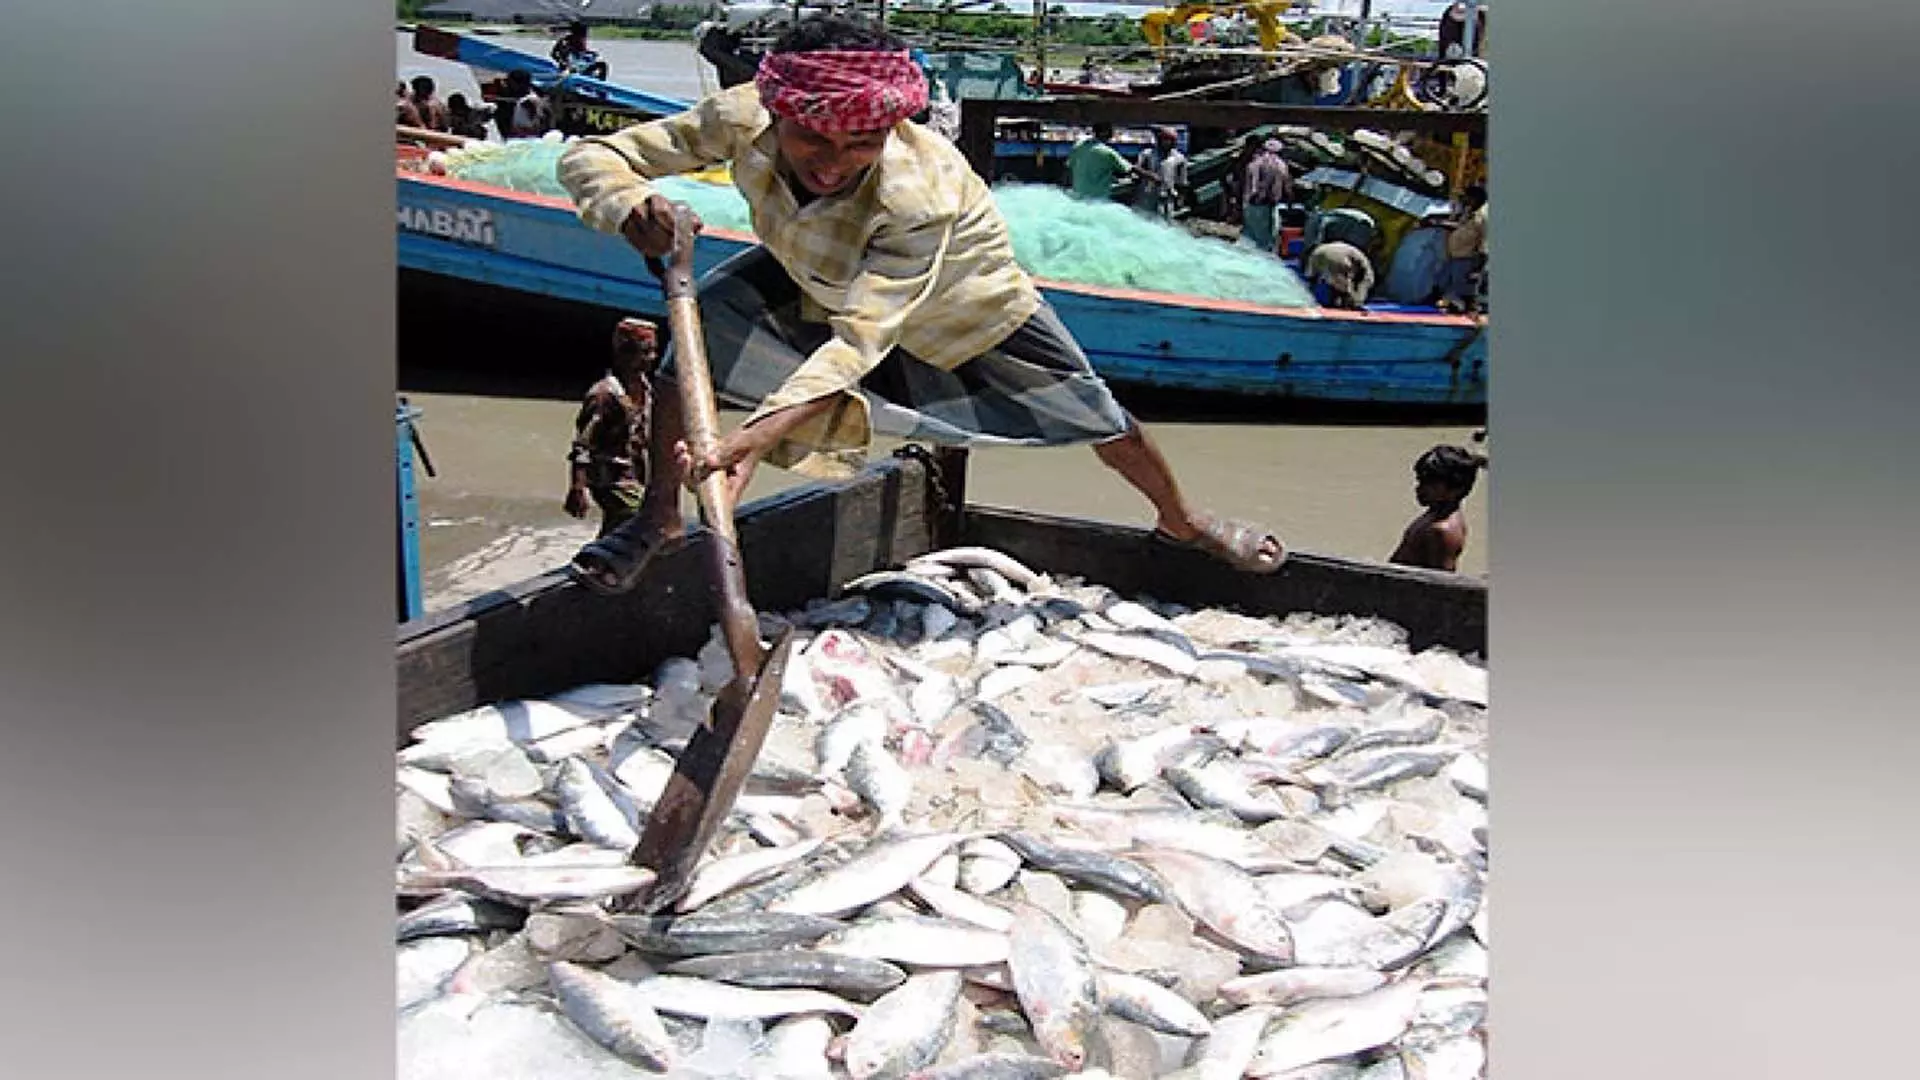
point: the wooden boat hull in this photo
(537, 245)
(548, 634)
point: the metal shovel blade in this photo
(708, 777)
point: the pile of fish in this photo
(1004, 826)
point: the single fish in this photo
(613, 1014)
(961, 906)
(1137, 617)
(1284, 891)
(704, 999)
(456, 915)
(519, 722)
(1397, 727)
(1148, 650)
(1151, 1005)
(1290, 985)
(920, 941)
(1225, 898)
(528, 885)
(705, 934)
(994, 586)
(987, 558)
(1370, 772)
(721, 876)
(880, 781)
(590, 809)
(777, 968)
(1331, 1028)
(1093, 868)
(1054, 979)
(906, 1029)
(472, 799)
(1220, 785)
(1177, 830)
(1451, 1011)
(882, 869)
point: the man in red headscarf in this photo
(885, 295)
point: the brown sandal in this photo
(1235, 543)
(621, 555)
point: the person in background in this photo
(1340, 274)
(464, 119)
(884, 298)
(570, 52)
(1466, 252)
(1443, 476)
(403, 109)
(1269, 183)
(433, 113)
(527, 116)
(1093, 165)
(1165, 183)
(608, 461)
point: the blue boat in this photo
(536, 244)
(594, 104)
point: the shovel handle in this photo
(695, 380)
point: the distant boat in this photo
(536, 244)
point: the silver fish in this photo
(721, 876)
(891, 584)
(995, 586)
(906, 1029)
(510, 721)
(454, 915)
(1221, 785)
(1054, 979)
(590, 810)
(1000, 562)
(1290, 985)
(1227, 899)
(472, 799)
(612, 1014)
(423, 966)
(880, 870)
(1147, 650)
(1330, 1028)
(1373, 771)
(557, 748)
(1458, 1058)
(1178, 830)
(921, 941)
(986, 866)
(1095, 868)
(879, 780)
(777, 968)
(526, 886)
(1229, 1049)
(704, 999)
(1151, 1005)
(961, 906)
(700, 935)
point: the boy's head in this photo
(422, 86)
(635, 349)
(1445, 474)
(836, 87)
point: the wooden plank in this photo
(978, 116)
(1434, 608)
(548, 634)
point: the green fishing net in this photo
(1056, 237)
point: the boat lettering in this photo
(603, 120)
(462, 226)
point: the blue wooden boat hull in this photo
(534, 244)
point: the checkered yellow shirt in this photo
(917, 255)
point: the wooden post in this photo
(1040, 40)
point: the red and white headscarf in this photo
(837, 90)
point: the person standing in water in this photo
(885, 296)
(1443, 477)
(608, 461)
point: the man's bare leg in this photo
(1138, 460)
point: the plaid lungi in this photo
(1035, 388)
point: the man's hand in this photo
(576, 503)
(649, 228)
(733, 454)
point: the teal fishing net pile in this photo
(1055, 236)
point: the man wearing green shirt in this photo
(1094, 165)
